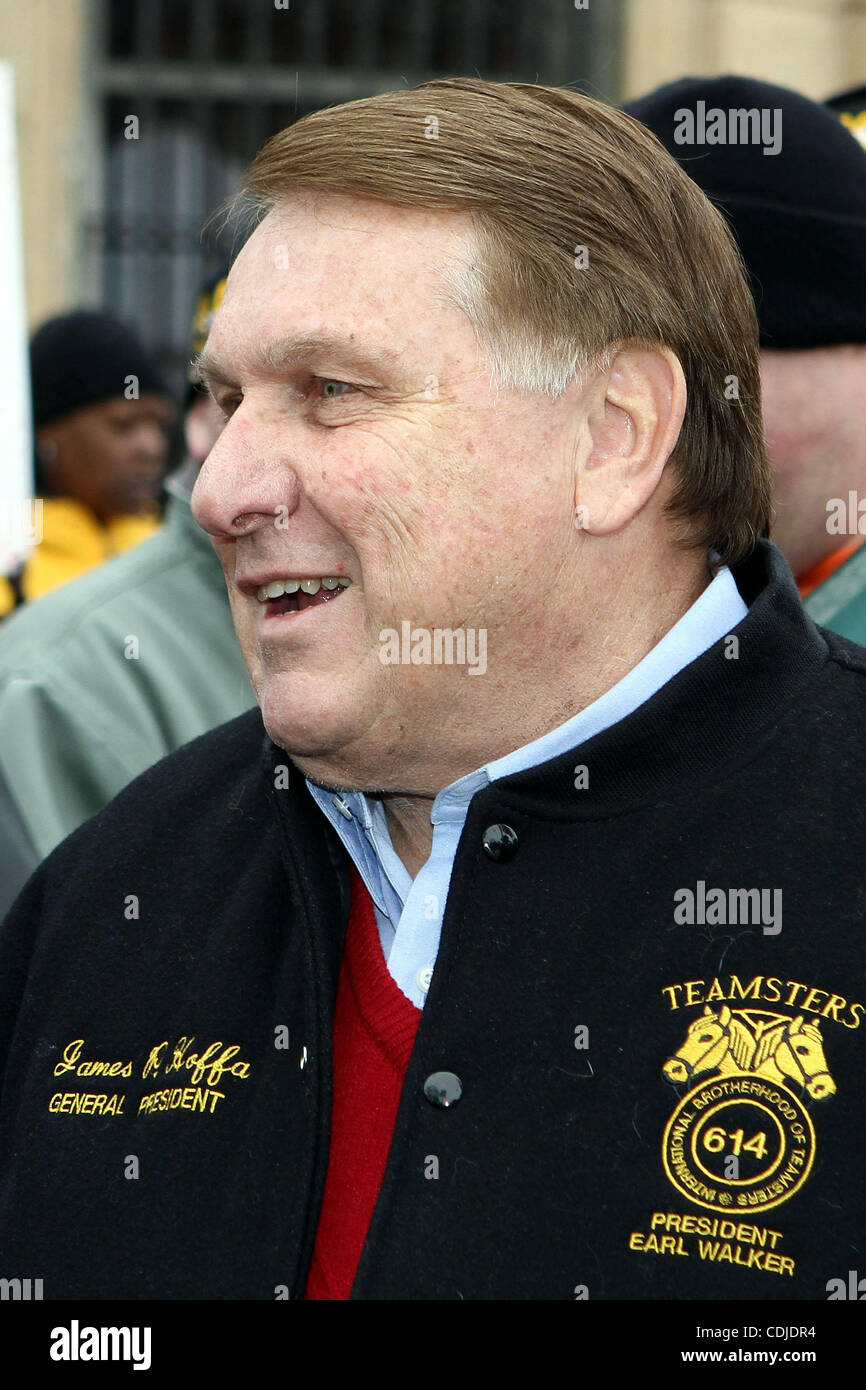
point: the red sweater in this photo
(374, 1030)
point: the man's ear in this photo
(636, 410)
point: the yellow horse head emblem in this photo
(774, 1046)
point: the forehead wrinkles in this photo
(335, 216)
(304, 266)
(275, 355)
(386, 340)
(372, 251)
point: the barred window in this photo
(208, 81)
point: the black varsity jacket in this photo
(653, 995)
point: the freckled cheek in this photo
(377, 501)
(497, 511)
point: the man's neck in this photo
(410, 829)
(608, 661)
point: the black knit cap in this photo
(84, 357)
(798, 215)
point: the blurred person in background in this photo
(840, 602)
(799, 216)
(850, 107)
(101, 419)
(103, 678)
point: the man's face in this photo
(385, 459)
(111, 456)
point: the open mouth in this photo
(298, 602)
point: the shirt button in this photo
(342, 807)
(500, 842)
(424, 977)
(443, 1088)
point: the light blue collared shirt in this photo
(409, 912)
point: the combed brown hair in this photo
(544, 171)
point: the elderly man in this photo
(531, 976)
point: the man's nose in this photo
(243, 485)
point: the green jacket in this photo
(105, 676)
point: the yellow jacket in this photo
(74, 541)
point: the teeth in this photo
(278, 587)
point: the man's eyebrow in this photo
(294, 347)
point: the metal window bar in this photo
(422, 19)
(313, 27)
(202, 119)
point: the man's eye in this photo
(228, 405)
(329, 393)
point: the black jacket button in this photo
(500, 842)
(443, 1088)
